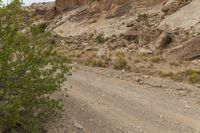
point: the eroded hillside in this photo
(156, 37)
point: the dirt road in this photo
(108, 103)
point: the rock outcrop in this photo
(63, 5)
(188, 51)
(187, 17)
(41, 8)
(106, 8)
(115, 7)
(172, 6)
(164, 39)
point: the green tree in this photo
(30, 71)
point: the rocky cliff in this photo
(111, 8)
(151, 35)
(102, 4)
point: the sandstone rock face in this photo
(163, 40)
(63, 5)
(113, 8)
(106, 8)
(103, 16)
(188, 51)
(170, 7)
(187, 17)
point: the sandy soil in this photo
(108, 101)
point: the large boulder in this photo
(188, 51)
(164, 39)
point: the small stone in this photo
(103, 95)
(145, 51)
(78, 126)
(123, 70)
(138, 80)
(108, 75)
(187, 106)
(117, 76)
(197, 85)
(130, 24)
(146, 77)
(196, 62)
(101, 52)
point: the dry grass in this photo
(120, 61)
(155, 59)
(97, 63)
(192, 76)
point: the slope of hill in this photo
(134, 35)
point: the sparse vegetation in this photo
(155, 59)
(120, 61)
(165, 74)
(144, 18)
(176, 77)
(101, 39)
(43, 26)
(142, 56)
(192, 76)
(96, 62)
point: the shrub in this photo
(101, 39)
(165, 74)
(30, 71)
(144, 18)
(37, 29)
(176, 77)
(193, 76)
(97, 63)
(120, 61)
(155, 59)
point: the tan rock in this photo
(101, 52)
(145, 51)
(131, 35)
(172, 6)
(41, 8)
(188, 51)
(187, 17)
(163, 40)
